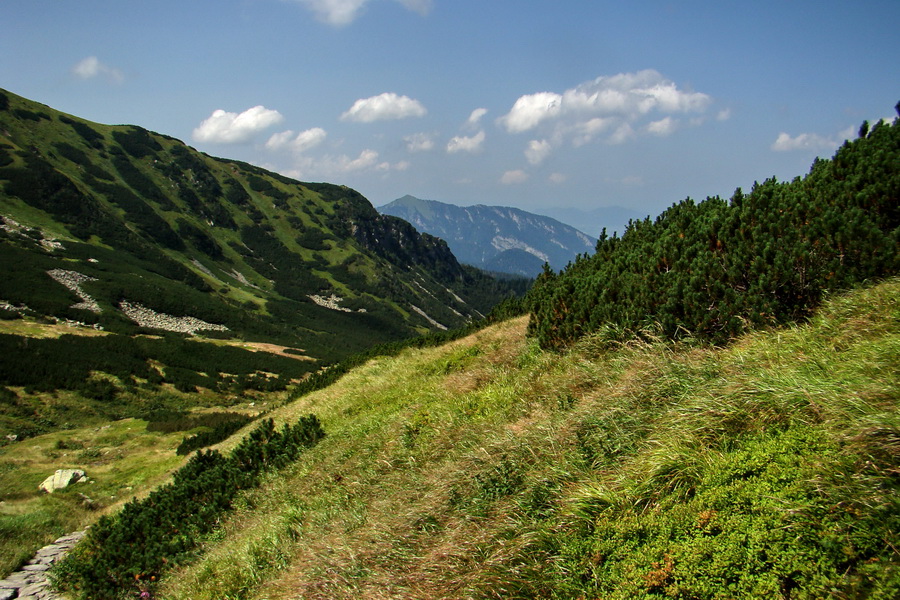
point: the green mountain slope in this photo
(491, 468)
(119, 229)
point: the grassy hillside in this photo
(141, 218)
(146, 249)
(489, 468)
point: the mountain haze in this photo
(593, 220)
(495, 238)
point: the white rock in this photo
(61, 479)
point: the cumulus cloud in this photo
(558, 177)
(619, 105)
(327, 166)
(386, 106)
(466, 144)
(622, 134)
(803, 141)
(344, 12)
(419, 142)
(662, 127)
(513, 177)
(301, 142)
(91, 67)
(537, 151)
(223, 127)
(475, 118)
(530, 110)
(585, 131)
(367, 158)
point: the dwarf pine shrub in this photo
(127, 552)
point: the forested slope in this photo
(717, 268)
(141, 218)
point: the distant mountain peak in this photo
(498, 238)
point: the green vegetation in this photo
(488, 467)
(121, 459)
(632, 461)
(715, 269)
(154, 222)
(150, 536)
(134, 371)
(220, 428)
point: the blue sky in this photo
(528, 103)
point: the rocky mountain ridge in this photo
(495, 238)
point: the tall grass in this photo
(487, 468)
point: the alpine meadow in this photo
(274, 392)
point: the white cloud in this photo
(586, 131)
(367, 158)
(558, 177)
(723, 115)
(530, 110)
(475, 117)
(344, 12)
(607, 103)
(803, 141)
(466, 144)
(622, 134)
(386, 106)
(335, 12)
(662, 127)
(419, 142)
(91, 67)
(223, 127)
(513, 177)
(303, 141)
(537, 151)
(336, 166)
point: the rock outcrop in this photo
(73, 281)
(62, 478)
(146, 317)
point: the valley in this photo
(275, 392)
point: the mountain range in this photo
(495, 238)
(146, 287)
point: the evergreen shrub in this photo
(126, 553)
(714, 269)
